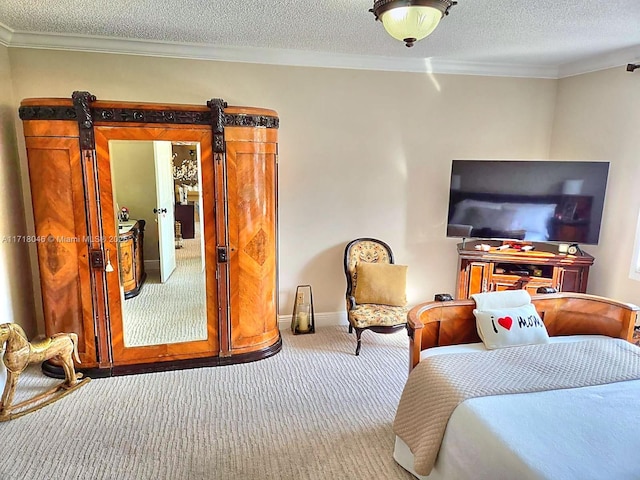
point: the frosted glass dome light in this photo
(410, 20)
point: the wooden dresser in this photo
(131, 259)
(496, 270)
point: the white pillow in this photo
(532, 217)
(493, 218)
(501, 299)
(462, 208)
(536, 236)
(510, 327)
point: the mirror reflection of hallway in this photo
(150, 179)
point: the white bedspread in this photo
(579, 433)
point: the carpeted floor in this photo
(170, 312)
(313, 411)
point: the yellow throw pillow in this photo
(381, 283)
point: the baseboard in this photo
(153, 265)
(324, 319)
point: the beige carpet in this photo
(313, 411)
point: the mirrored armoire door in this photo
(171, 316)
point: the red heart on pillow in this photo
(505, 322)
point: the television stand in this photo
(500, 268)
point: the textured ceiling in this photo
(523, 32)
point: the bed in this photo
(537, 218)
(584, 431)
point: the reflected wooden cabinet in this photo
(126, 261)
(497, 270)
(72, 187)
(131, 259)
(185, 214)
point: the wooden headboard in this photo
(435, 324)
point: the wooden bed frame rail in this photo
(434, 324)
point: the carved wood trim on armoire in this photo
(76, 224)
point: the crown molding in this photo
(5, 35)
(459, 67)
(297, 58)
(613, 59)
(85, 43)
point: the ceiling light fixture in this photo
(410, 20)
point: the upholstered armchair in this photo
(378, 302)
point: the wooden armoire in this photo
(76, 225)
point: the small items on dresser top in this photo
(487, 265)
(521, 247)
(125, 226)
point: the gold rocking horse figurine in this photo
(19, 353)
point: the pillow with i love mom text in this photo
(510, 327)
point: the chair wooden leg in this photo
(350, 328)
(358, 334)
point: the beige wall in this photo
(134, 171)
(597, 118)
(362, 153)
(16, 293)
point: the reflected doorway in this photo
(150, 183)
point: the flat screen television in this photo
(541, 201)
